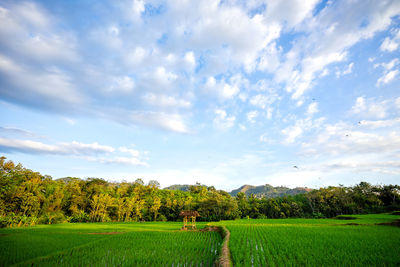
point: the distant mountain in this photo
(261, 191)
(269, 191)
(181, 187)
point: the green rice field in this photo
(262, 242)
(315, 242)
(108, 244)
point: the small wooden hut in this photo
(189, 219)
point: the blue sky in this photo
(226, 93)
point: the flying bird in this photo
(295, 167)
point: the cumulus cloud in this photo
(165, 101)
(35, 147)
(91, 151)
(149, 69)
(171, 122)
(329, 40)
(251, 116)
(224, 90)
(122, 84)
(387, 77)
(312, 108)
(345, 139)
(222, 120)
(31, 86)
(389, 65)
(391, 44)
(347, 70)
(375, 124)
(370, 107)
(294, 132)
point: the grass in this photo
(151, 244)
(315, 242)
(263, 242)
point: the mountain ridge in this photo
(259, 191)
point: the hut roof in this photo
(189, 213)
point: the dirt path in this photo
(225, 255)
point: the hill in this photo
(261, 191)
(181, 187)
(269, 191)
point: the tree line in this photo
(28, 198)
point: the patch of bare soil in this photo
(345, 218)
(395, 223)
(105, 233)
(210, 229)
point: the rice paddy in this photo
(108, 244)
(312, 242)
(263, 242)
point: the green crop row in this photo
(124, 244)
(323, 245)
(261, 242)
(143, 249)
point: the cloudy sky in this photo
(226, 93)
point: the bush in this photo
(17, 221)
(80, 217)
(52, 218)
(161, 218)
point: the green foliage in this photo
(28, 197)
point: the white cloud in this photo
(387, 77)
(26, 82)
(222, 120)
(132, 152)
(122, 84)
(223, 89)
(379, 123)
(190, 60)
(26, 29)
(293, 132)
(291, 12)
(328, 40)
(346, 71)
(391, 44)
(269, 58)
(337, 140)
(166, 121)
(370, 107)
(164, 77)
(74, 148)
(90, 152)
(136, 56)
(312, 108)
(166, 101)
(388, 66)
(252, 115)
(262, 100)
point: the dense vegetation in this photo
(28, 198)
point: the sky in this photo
(225, 93)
